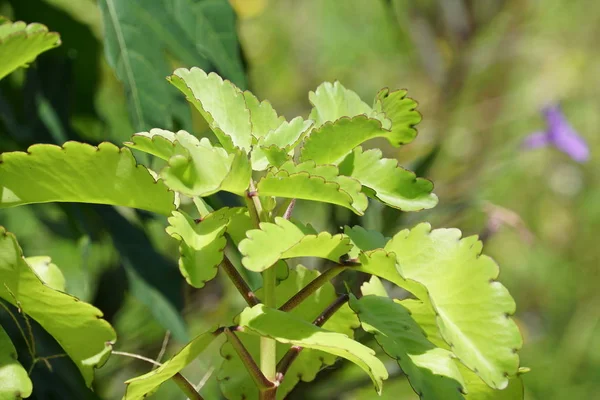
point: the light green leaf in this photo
(143, 38)
(279, 144)
(76, 326)
(308, 181)
(162, 143)
(142, 386)
(364, 239)
(207, 170)
(286, 328)
(284, 239)
(473, 309)
(401, 110)
(48, 272)
(201, 247)
(262, 115)
(332, 101)
(221, 103)
(431, 370)
(332, 141)
(78, 172)
(14, 380)
(20, 44)
(233, 377)
(389, 183)
(373, 287)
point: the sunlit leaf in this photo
(20, 44)
(47, 271)
(221, 104)
(233, 377)
(78, 327)
(78, 172)
(206, 170)
(279, 144)
(373, 287)
(313, 182)
(142, 386)
(331, 101)
(389, 183)
(162, 143)
(284, 239)
(332, 141)
(401, 110)
(286, 328)
(14, 380)
(262, 115)
(431, 370)
(473, 309)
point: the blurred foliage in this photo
(481, 71)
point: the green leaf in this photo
(20, 44)
(473, 309)
(206, 170)
(48, 272)
(389, 183)
(279, 143)
(308, 181)
(332, 101)
(221, 104)
(286, 328)
(78, 172)
(233, 377)
(263, 117)
(364, 239)
(142, 39)
(143, 385)
(373, 287)
(162, 143)
(401, 110)
(76, 326)
(332, 141)
(284, 239)
(431, 370)
(14, 380)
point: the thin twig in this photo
(18, 325)
(239, 282)
(163, 348)
(290, 208)
(312, 287)
(288, 358)
(259, 378)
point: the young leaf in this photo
(373, 287)
(234, 379)
(473, 309)
(20, 44)
(363, 239)
(14, 380)
(202, 244)
(286, 328)
(47, 271)
(331, 101)
(221, 104)
(206, 170)
(262, 116)
(284, 138)
(308, 181)
(332, 141)
(389, 183)
(401, 110)
(141, 386)
(76, 326)
(78, 172)
(431, 370)
(284, 239)
(162, 143)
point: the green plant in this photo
(454, 339)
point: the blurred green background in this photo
(481, 71)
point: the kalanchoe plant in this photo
(454, 337)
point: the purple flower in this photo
(559, 134)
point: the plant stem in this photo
(294, 351)
(186, 387)
(290, 208)
(239, 282)
(312, 287)
(259, 378)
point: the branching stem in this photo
(259, 378)
(239, 282)
(312, 287)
